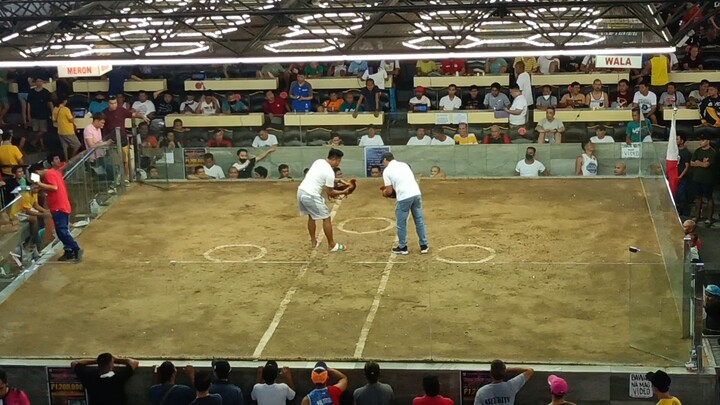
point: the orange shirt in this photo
(332, 105)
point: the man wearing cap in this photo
(231, 394)
(419, 99)
(558, 389)
(500, 391)
(712, 310)
(166, 392)
(324, 394)
(702, 161)
(233, 105)
(374, 392)
(98, 105)
(267, 391)
(661, 387)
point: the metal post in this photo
(687, 292)
(698, 307)
(121, 158)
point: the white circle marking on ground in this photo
(261, 253)
(487, 259)
(391, 224)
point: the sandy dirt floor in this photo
(527, 271)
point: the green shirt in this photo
(703, 174)
(348, 107)
(320, 71)
(636, 131)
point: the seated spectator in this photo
(314, 70)
(324, 393)
(10, 154)
(437, 173)
(646, 101)
(338, 69)
(451, 101)
(198, 174)
(671, 97)
(202, 383)
(472, 101)
(374, 392)
(440, 139)
(33, 213)
(208, 105)
(371, 139)
(148, 140)
(548, 64)
(211, 169)
(696, 96)
(284, 172)
(120, 101)
(496, 100)
(586, 164)
(420, 138)
(230, 393)
(11, 396)
(519, 108)
(264, 139)
(546, 100)
(357, 68)
(165, 391)
(712, 309)
(273, 106)
(463, 137)
(496, 136)
(500, 391)
(419, 99)
(558, 390)
(550, 129)
(219, 140)
(496, 66)
(270, 70)
(710, 108)
(574, 98)
(375, 171)
(335, 140)
(426, 68)
(588, 64)
(153, 173)
(143, 105)
(634, 131)
(349, 105)
(98, 105)
(431, 386)
(233, 173)
(597, 98)
(620, 169)
(189, 106)
(104, 384)
(693, 60)
(233, 105)
(178, 126)
(530, 64)
(601, 135)
(333, 104)
(711, 37)
(453, 67)
(301, 94)
(529, 167)
(622, 98)
(269, 392)
(165, 104)
(369, 99)
(246, 164)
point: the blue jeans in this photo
(62, 228)
(402, 211)
(393, 99)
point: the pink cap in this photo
(558, 386)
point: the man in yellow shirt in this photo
(661, 388)
(531, 64)
(10, 154)
(65, 121)
(659, 70)
(463, 137)
(426, 67)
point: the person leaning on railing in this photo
(11, 396)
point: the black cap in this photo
(221, 367)
(704, 136)
(659, 380)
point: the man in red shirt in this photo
(59, 203)
(453, 67)
(115, 116)
(219, 140)
(320, 376)
(431, 386)
(274, 107)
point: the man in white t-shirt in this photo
(440, 139)
(419, 99)
(646, 100)
(529, 167)
(420, 138)
(523, 82)
(268, 392)
(144, 106)
(371, 139)
(451, 101)
(601, 136)
(318, 180)
(399, 181)
(519, 108)
(211, 169)
(264, 139)
(189, 105)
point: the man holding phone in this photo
(58, 202)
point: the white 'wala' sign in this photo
(618, 61)
(640, 387)
(83, 70)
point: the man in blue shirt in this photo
(98, 105)
(301, 94)
(166, 392)
(357, 67)
(117, 78)
(233, 105)
(230, 393)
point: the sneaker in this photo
(67, 256)
(708, 222)
(400, 250)
(424, 249)
(338, 248)
(78, 255)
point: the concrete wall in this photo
(586, 388)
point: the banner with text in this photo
(193, 157)
(618, 61)
(64, 388)
(83, 70)
(373, 157)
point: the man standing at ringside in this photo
(400, 180)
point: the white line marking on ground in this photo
(262, 252)
(450, 261)
(238, 262)
(385, 262)
(270, 331)
(391, 224)
(360, 346)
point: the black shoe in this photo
(400, 250)
(78, 255)
(69, 255)
(424, 249)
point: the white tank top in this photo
(597, 103)
(208, 108)
(589, 165)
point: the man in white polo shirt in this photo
(451, 101)
(420, 138)
(529, 167)
(399, 180)
(372, 138)
(321, 178)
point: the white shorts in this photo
(313, 206)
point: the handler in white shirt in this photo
(529, 167)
